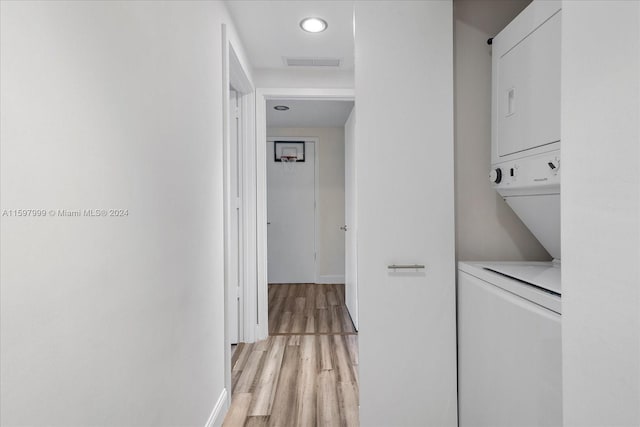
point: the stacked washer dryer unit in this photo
(509, 313)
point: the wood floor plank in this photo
(347, 323)
(241, 356)
(288, 334)
(328, 406)
(306, 382)
(311, 324)
(236, 353)
(332, 298)
(294, 288)
(325, 353)
(271, 294)
(294, 340)
(235, 376)
(335, 321)
(247, 378)
(352, 345)
(310, 306)
(285, 322)
(262, 345)
(323, 320)
(266, 385)
(238, 411)
(341, 292)
(285, 398)
(342, 364)
(257, 421)
(298, 323)
(348, 401)
(290, 303)
(275, 313)
(321, 298)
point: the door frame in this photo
(262, 95)
(233, 228)
(235, 75)
(316, 191)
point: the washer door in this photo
(509, 358)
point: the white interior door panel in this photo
(291, 218)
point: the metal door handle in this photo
(405, 266)
(268, 223)
(343, 228)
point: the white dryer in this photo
(525, 112)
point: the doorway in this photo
(276, 380)
(263, 98)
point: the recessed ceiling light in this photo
(281, 108)
(313, 25)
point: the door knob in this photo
(343, 228)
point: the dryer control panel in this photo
(539, 174)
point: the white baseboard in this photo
(219, 411)
(331, 279)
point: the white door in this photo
(351, 226)
(235, 229)
(404, 127)
(291, 218)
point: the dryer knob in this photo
(554, 165)
(496, 176)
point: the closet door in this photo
(405, 213)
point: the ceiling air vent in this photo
(312, 62)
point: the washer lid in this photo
(546, 276)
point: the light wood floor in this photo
(306, 372)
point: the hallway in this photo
(306, 372)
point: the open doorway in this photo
(305, 371)
(328, 150)
(306, 208)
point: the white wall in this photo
(112, 321)
(601, 213)
(330, 208)
(303, 78)
(486, 227)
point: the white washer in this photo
(509, 344)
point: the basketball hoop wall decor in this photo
(288, 151)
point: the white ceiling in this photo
(308, 113)
(270, 30)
